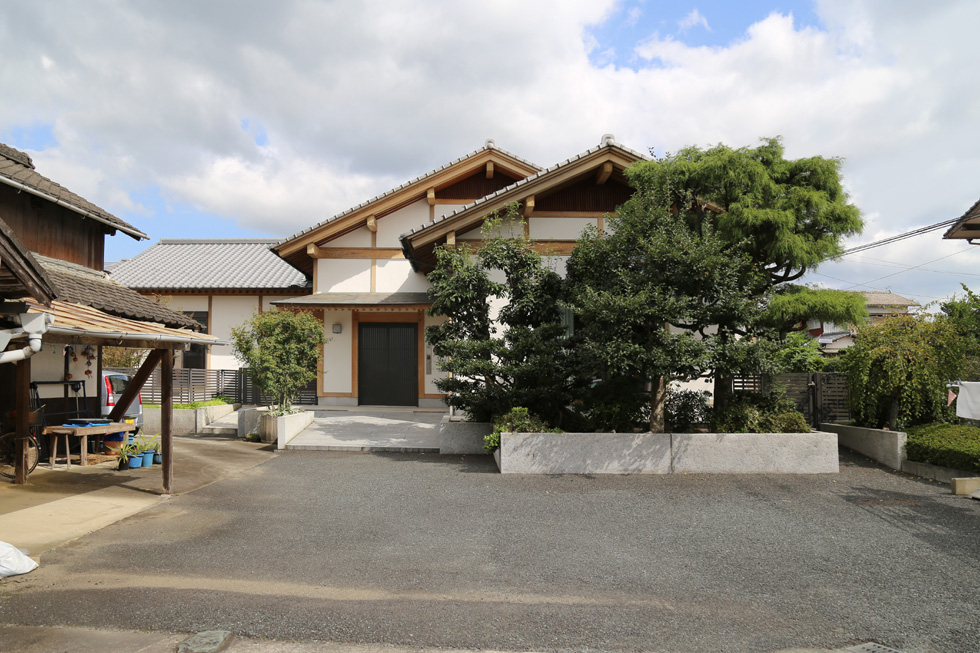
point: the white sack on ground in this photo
(968, 400)
(13, 562)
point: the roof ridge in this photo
(216, 241)
(488, 145)
(16, 155)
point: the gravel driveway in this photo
(438, 551)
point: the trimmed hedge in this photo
(947, 445)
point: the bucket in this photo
(148, 458)
(136, 460)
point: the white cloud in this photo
(693, 19)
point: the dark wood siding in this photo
(475, 186)
(586, 195)
(52, 230)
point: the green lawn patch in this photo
(217, 401)
(947, 445)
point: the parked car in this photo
(110, 391)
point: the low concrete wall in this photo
(283, 429)
(665, 453)
(186, 421)
(935, 472)
(459, 437)
(887, 447)
(248, 420)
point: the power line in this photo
(907, 234)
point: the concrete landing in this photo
(387, 429)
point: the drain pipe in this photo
(34, 325)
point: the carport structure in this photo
(46, 301)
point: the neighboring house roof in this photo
(425, 236)
(968, 226)
(20, 273)
(191, 264)
(17, 170)
(81, 285)
(886, 298)
(832, 336)
(293, 249)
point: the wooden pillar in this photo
(166, 416)
(22, 405)
(135, 385)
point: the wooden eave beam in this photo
(430, 196)
(372, 223)
(529, 206)
(451, 238)
(602, 176)
(489, 169)
(314, 251)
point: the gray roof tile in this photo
(880, 298)
(186, 264)
(16, 168)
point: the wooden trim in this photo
(319, 364)
(388, 317)
(570, 214)
(554, 247)
(601, 225)
(603, 174)
(430, 196)
(207, 353)
(432, 213)
(489, 169)
(374, 262)
(451, 239)
(434, 396)
(355, 322)
(372, 225)
(529, 206)
(260, 304)
(360, 252)
(450, 200)
(337, 394)
(313, 251)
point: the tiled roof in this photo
(17, 170)
(80, 285)
(488, 146)
(20, 273)
(179, 264)
(972, 214)
(607, 142)
(879, 298)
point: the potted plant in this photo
(148, 448)
(132, 455)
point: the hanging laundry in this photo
(968, 400)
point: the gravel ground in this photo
(438, 551)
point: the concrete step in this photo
(219, 431)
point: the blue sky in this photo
(253, 119)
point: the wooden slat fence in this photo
(821, 396)
(202, 385)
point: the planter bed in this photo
(666, 453)
(186, 421)
(283, 429)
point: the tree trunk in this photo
(658, 396)
(893, 414)
(722, 390)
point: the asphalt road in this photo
(433, 551)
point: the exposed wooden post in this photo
(313, 251)
(22, 405)
(166, 416)
(529, 206)
(129, 395)
(489, 169)
(451, 238)
(604, 172)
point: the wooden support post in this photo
(529, 206)
(22, 405)
(451, 239)
(166, 416)
(135, 385)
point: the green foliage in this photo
(965, 313)
(686, 408)
(653, 270)
(519, 359)
(792, 305)
(758, 412)
(144, 444)
(897, 370)
(948, 445)
(218, 400)
(518, 420)
(798, 353)
(281, 350)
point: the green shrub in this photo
(518, 420)
(685, 408)
(947, 445)
(759, 412)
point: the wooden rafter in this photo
(529, 206)
(604, 172)
(372, 223)
(489, 169)
(430, 196)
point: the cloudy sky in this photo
(248, 119)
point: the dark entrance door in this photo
(387, 365)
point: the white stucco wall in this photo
(49, 365)
(343, 275)
(359, 238)
(393, 225)
(337, 354)
(559, 228)
(397, 275)
(188, 303)
(228, 311)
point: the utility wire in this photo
(907, 234)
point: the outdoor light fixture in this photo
(338, 328)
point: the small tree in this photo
(281, 350)
(965, 313)
(897, 370)
(515, 359)
(798, 353)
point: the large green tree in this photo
(648, 295)
(787, 216)
(515, 358)
(965, 313)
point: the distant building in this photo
(881, 305)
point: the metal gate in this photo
(387, 364)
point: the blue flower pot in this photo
(157, 458)
(135, 461)
(148, 458)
